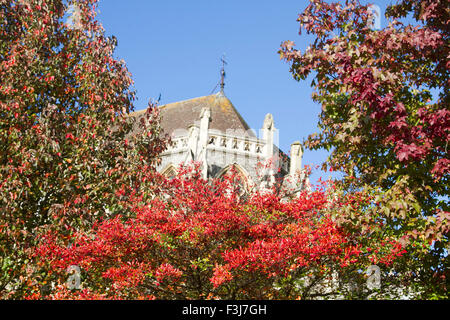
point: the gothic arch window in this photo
(241, 178)
(170, 171)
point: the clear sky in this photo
(173, 48)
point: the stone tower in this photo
(211, 131)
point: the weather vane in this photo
(222, 73)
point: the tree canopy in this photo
(385, 118)
(66, 154)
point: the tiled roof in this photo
(180, 115)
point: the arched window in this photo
(170, 171)
(240, 178)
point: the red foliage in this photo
(196, 238)
(385, 76)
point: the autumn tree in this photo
(200, 239)
(67, 156)
(385, 117)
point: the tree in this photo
(67, 156)
(200, 239)
(385, 118)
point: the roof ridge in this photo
(136, 113)
(187, 100)
(238, 114)
(181, 114)
(139, 112)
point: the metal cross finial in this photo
(222, 73)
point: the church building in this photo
(209, 130)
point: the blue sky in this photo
(173, 48)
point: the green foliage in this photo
(66, 155)
(379, 119)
